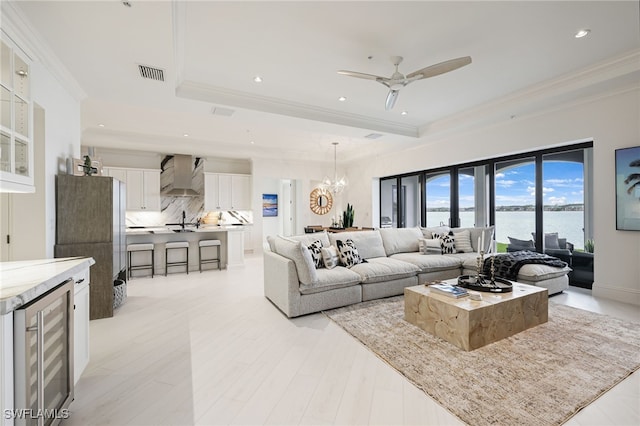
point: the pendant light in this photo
(334, 185)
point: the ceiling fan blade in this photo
(361, 75)
(441, 68)
(391, 99)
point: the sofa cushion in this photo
(429, 263)
(369, 243)
(535, 272)
(380, 269)
(531, 272)
(439, 230)
(348, 253)
(315, 248)
(308, 239)
(400, 240)
(329, 279)
(300, 256)
(330, 257)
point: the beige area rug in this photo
(541, 376)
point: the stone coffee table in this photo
(471, 324)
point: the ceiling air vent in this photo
(151, 73)
(374, 135)
(226, 112)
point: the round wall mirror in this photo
(320, 201)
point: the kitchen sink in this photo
(182, 230)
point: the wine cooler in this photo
(43, 358)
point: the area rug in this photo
(541, 376)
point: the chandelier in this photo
(334, 185)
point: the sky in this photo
(563, 183)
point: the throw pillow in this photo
(515, 243)
(463, 241)
(348, 253)
(429, 246)
(551, 241)
(447, 243)
(316, 253)
(330, 257)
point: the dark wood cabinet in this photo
(90, 221)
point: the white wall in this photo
(60, 141)
(612, 122)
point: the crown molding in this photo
(22, 32)
(219, 95)
(539, 97)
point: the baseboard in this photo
(626, 295)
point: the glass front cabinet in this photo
(16, 120)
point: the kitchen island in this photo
(231, 243)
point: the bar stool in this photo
(176, 245)
(209, 243)
(140, 248)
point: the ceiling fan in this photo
(398, 80)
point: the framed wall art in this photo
(628, 189)
(269, 205)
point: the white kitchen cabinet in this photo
(248, 238)
(80, 324)
(143, 187)
(227, 192)
(240, 192)
(224, 192)
(16, 120)
(235, 246)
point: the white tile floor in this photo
(210, 349)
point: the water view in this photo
(520, 224)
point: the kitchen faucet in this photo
(183, 218)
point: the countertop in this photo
(26, 280)
(169, 229)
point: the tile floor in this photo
(204, 349)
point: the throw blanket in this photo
(507, 265)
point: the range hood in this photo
(182, 177)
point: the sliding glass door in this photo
(515, 200)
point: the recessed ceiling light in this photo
(186, 135)
(257, 79)
(404, 113)
(252, 142)
(582, 33)
(342, 99)
(100, 125)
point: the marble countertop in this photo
(169, 229)
(26, 280)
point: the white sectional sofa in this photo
(393, 261)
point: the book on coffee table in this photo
(449, 290)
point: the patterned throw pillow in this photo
(348, 253)
(330, 257)
(316, 253)
(448, 243)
